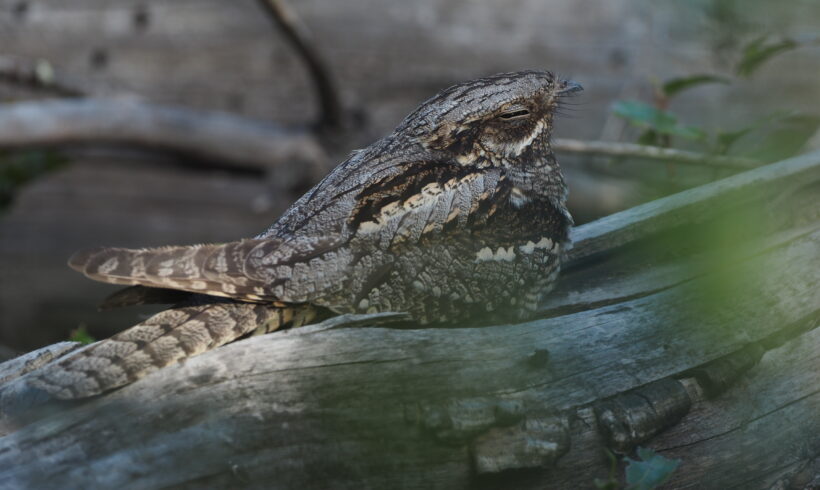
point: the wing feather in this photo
(425, 200)
(248, 270)
(444, 204)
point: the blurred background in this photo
(721, 77)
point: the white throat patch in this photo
(514, 149)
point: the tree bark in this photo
(213, 136)
(687, 325)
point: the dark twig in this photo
(301, 39)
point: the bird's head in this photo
(499, 120)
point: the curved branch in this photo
(693, 205)
(301, 40)
(610, 149)
(215, 136)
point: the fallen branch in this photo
(630, 150)
(693, 205)
(215, 136)
(301, 40)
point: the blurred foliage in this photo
(19, 168)
(780, 136)
(770, 138)
(733, 26)
(760, 50)
(727, 22)
(81, 335)
(656, 122)
(673, 86)
(647, 472)
(726, 280)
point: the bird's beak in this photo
(567, 87)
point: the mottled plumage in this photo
(458, 214)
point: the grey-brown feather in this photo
(163, 339)
(459, 213)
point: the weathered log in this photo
(213, 136)
(660, 341)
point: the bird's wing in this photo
(423, 199)
(165, 338)
(427, 199)
(249, 270)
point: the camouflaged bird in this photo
(459, 214)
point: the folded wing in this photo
(423, 199)
(263, 270)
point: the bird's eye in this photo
(514, 114)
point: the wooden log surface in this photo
(213, 136)
(649, 341)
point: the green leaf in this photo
(649, 471)
(688, 132)
(81, 335)
(785, 137)
(643, 114)
(650, 117)
(648, 138)
(760, 50)
(677, 85)
(725, 139)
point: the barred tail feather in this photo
(165, 338)
(217, 270)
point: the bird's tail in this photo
(216, 270)
(165, 338)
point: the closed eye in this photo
(516, 114)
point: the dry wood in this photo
(337, 406)
(213, 136)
